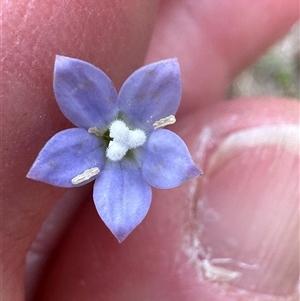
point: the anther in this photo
(95, 131)
(164, 122)
(86, 175)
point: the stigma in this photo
(124, 140)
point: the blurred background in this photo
(276, 73)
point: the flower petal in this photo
(66, 155)
(122, 197)
(84, 93)
(151, 93)
(167, 161)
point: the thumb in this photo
(249, 197)
(229, 235)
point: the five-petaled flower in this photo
(119, 141)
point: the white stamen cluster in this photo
(124, 139)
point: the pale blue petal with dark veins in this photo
(66, 155)
(84, 93)
(167, 161)
(122, 197)
(151, 93)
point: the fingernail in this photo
(248, 211)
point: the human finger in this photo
(222, 236)
(215, 40)
(111, 34)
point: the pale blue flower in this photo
(119, 141)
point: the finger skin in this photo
(154, 263)
(113, 36)
(103, 33)
(215, 40)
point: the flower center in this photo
(124, 139)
